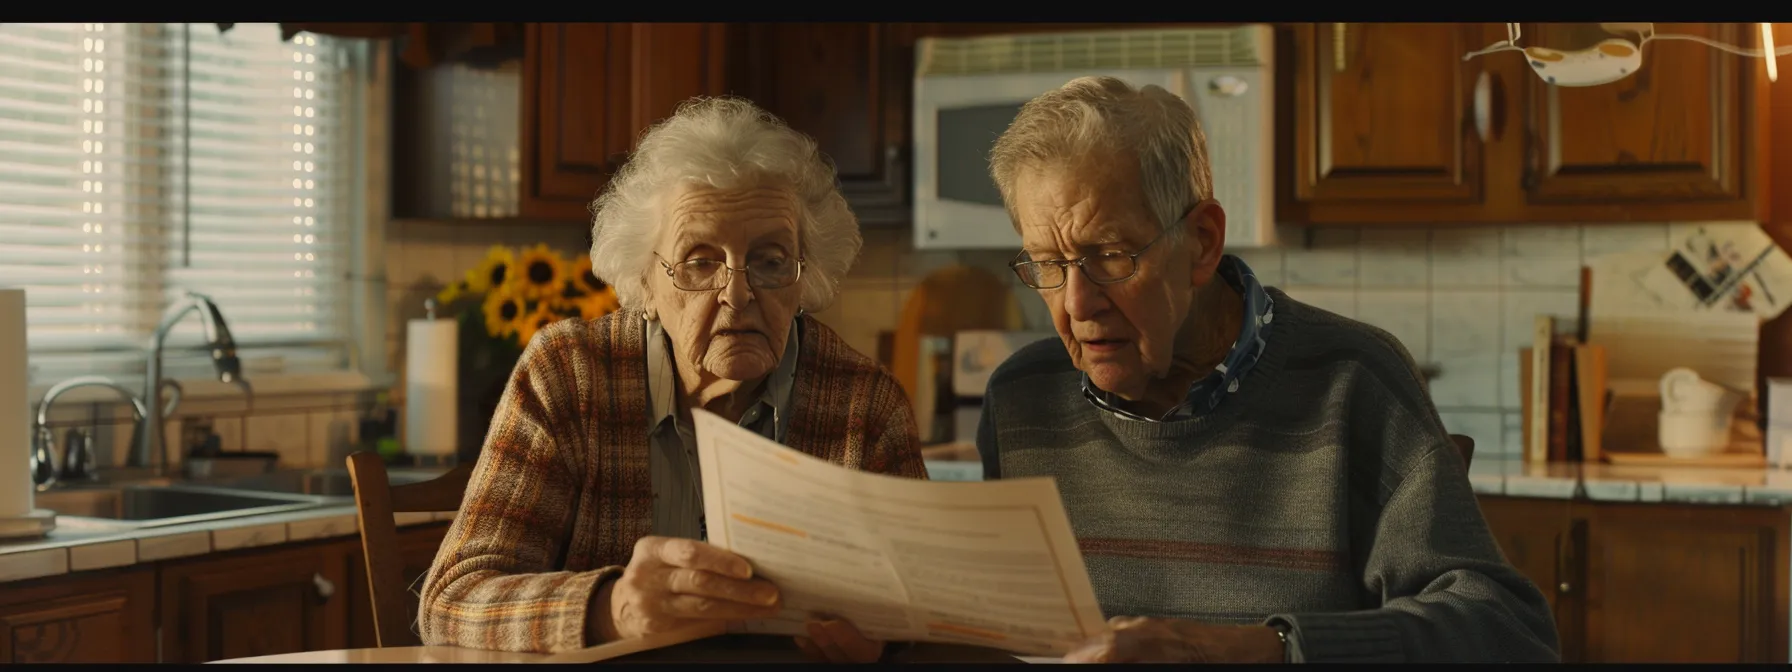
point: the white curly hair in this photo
(725, 143)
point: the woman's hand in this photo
(672, 583)
(1131, 639)
(836, 640)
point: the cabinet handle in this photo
(1564, 588)
(1339, 31)
(324, 587)
(1531, 155)
(1484, 105)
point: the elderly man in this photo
(1250, 478)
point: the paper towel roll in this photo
(431, 372)
(15, 409)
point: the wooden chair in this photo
(376, 502)
(1466, 446)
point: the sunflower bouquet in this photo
(519, 292)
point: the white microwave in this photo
(967, 91)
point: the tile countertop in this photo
(78, 546)
(75, 547)
(1612, 483)
(1512, 477)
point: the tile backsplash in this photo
(1460, 298)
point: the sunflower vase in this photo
(500, 305)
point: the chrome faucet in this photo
(149, 442)
(77, 460)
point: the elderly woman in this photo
(583, 522)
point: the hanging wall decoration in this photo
(1618, 56)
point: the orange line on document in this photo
(771, 525)
(974, 632)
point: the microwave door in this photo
(957, 120)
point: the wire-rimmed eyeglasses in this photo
(706, 275)
(1102, 268)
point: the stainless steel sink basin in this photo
(139, 506)
(315, 482)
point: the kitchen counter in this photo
(1512, 477)
(77, 545)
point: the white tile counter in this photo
(1512, 477)
(1614, 483)
(76, 545)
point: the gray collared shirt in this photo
(672, 462)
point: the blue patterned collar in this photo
(1207, 393)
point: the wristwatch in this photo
(1282, 634)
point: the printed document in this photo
(989, 564)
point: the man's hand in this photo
(836, 640)
(1131, 639)
(672, 583)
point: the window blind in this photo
(138, 161)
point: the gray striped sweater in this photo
(1324, 496)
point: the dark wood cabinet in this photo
(255, 603)
(1383, 112)
(1541, 537)
(1673, 134)
(590, 90)
(94, 617)
(1379, 123)
(576, 128)
(1669, 583)
(1388, 124)
(848, 86)
(1634, 583)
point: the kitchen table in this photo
(721, 649)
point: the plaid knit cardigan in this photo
(561, 491)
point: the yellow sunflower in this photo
(455, 291)
(540, 272)
(502, 308)
(534, 321)
(584, 280)
(495, 271)
(598, 304)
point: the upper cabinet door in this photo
(1675, 140)
(1384, 114)
(848, 86)
(577, 103)
(590, 91)
(672, 63)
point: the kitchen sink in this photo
(314, 482)
(140, 506)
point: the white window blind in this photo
(141, 160)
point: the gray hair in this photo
(725, 143)
(1094, 116)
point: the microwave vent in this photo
(1095, 50)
